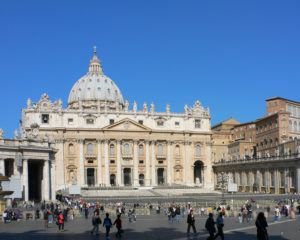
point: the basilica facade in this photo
(101, 140)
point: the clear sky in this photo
(231, 55)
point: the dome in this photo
(95, 86)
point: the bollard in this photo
(292, 214)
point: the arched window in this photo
(71, 148)
(126, 149)
(160, 149)
(111, 150)
(90, 148)
(177, 150)
(197, 150)
(141, 150)
(290, 125)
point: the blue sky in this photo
(231, 55)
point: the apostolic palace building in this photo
(101, 140)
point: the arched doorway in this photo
(90, 173)
(198, 172)
(127, 176)
(160, 176)
(112, 179)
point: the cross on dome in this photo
(95, 64)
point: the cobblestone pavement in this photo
(154, 227)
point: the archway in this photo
(90, 175)
(127, 176)
(198, 172)
(161, 176)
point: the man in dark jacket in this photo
(191, 222)
(210, 226)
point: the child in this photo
(118, 223)
(107, 224)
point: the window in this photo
(111, 121)
(295, 126)
(141, 162)
(126, 149)
(141, 122)
(160, 150)
(70, 121)
(197, 123)
(45, 118)
(177, 124)
(90, 148)
(160, 123)
(112, 161)
(197, 150)
(112, 150)
(89, 121)
(141, 150)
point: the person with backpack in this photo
(210, 226)
(118, 223)
(107, 224)
(220, 225)
(96, 221)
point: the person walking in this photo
(210, 226)
(220, 225)
(107, 224)
(118, 223)
(261, 225)
(61, 221)
(96, 221)
(191, 222)
(46, 215)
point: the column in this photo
(46, 181)
(298, 179)
(208, 182)
(25, 180)
(52, 181)
(119, 165)
(286, 181)
(185, 166)
(2, 167)
(106, 162)
(276, 181)
(135, 164)
(153, 164)
(61, 165)
(99, 163)
(148, 164)
(81, 164)
(169, 163)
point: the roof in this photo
(281, 98)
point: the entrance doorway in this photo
(127, 176)
(160, 176)
(142, 179)
(35, 176)
(198, 172)
(112, 180)
(90, 176)
(9, 167)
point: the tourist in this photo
(191, 222)
(107, 224)
(210, 226)
(60, 221)
(220, 225)
(46, 220)
(276, 214)
(96, 221)
(86, 212)
(261, 225)
(118, 223)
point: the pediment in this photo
(127, 125)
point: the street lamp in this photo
(223, 179)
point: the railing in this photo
(257, 160)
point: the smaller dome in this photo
(95, 86)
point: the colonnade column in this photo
(2, 167)
(81, 164)
(46, 182)
(99, 163)
(298, 178)
(52, 181)
(185, 166)
(153, 164)
(148, 164)
(119, 165)
(135, 164)
(106, 161)
(25, 180)
(169, 162)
